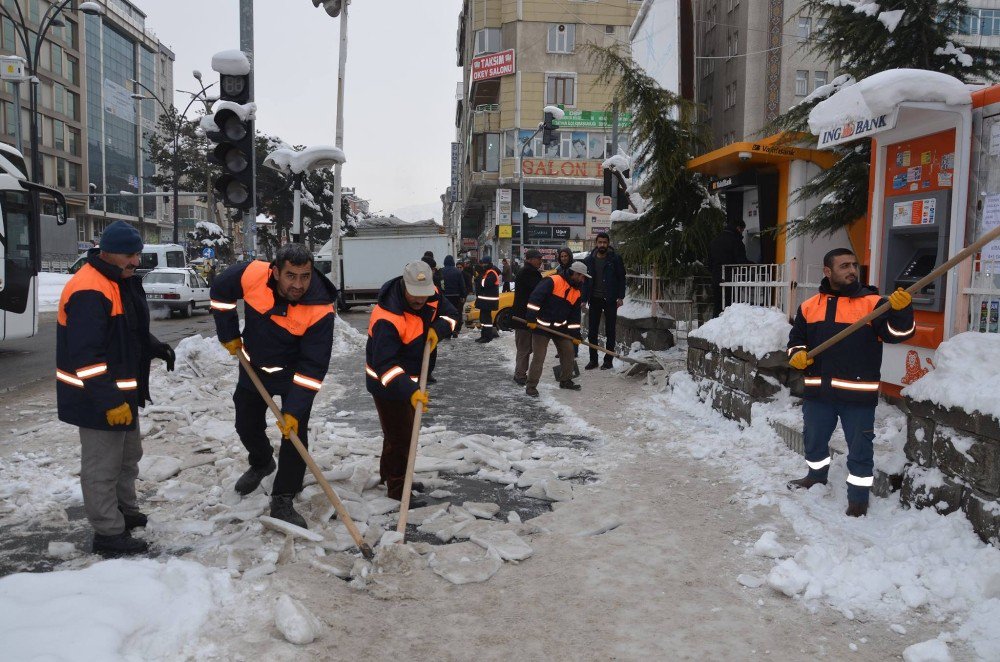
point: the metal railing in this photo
(664, 298)
(983, 295)
(767, 285)
(58, 262)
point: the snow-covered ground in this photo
(675, 539)
(50, 287)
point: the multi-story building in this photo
(93, 133)
(517, 58)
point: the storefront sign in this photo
(556, 168)
(469, 243)
(835, 135)
(585, 119)
(594, 231)
(493, 65)
(455, 169)
(539, 232)
(504, 232)
(560, 233)
(502, 206)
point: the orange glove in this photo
(432, 339)
(577, 341)
(288, 424)
(120, 415)
(900, 299)
(420, 396)
(800, 360)
(234, 345)
(532, 325)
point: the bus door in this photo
(18, 266)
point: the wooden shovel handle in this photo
(411, 459)
(342, 513)
(959, 257)
(582, 342)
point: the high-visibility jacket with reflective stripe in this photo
(289, 344)
(555, 303)
(396, 338)
(488, 290)
(850, 370)
(102, 346)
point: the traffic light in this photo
(621, 192)
(234, 138)
(550, 133)
(332, 7)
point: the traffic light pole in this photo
(250, 217)
(520, 191)
(337, 181)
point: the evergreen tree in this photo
(194, 172)
(866, 38)
(679, 216)
(211, 235)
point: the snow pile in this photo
(882, 92)
(886, 565)
(114, 610)
(624, 216)
(231, 63)
(618, 162)
(50, 287)
(959, 52)
(824, 91)
(965, 376)
(633, 309)
(754, 329)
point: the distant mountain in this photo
(419, 212)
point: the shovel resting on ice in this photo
(342, 513)
(626, 359)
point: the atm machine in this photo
(915, 241)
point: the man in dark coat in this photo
(727, 248)
(455, 289)
(528, 278)
(488, 299)
(103, 353)
(605, 295)
(507, 275)
(555, 304)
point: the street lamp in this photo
(296, 164)
(174, 157)
(49, 19)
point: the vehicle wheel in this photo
(188, 309)
(502, 320)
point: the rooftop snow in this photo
(752, 328)
(965, 374)
(884, 91)
(231, 63)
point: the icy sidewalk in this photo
(907, 569)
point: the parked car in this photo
(180, 290)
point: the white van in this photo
(158, 256)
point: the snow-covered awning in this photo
(870, 105)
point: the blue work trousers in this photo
(820, 420)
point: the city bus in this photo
(21, 204)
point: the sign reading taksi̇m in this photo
(493, 65)
(866, 126)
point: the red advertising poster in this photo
(493, 65)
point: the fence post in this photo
(654, 291)
(793, 276)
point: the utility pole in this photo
(337, 180)
(250, 217)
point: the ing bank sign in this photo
(860, 128)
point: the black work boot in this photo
(591, 365)
(607, 365)
(804, 483)
(570, 384)
(531, 390)
(520, 381)
(857, 508)
(251, 478)
(134, 520)
(282, 508)
(122, 544)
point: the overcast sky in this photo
(399, 119)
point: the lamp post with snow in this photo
(551, 113)
(32, 57)
(296, 165)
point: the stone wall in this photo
(954, 464)
(732, 380)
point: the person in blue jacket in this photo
(605, 295)
(455, 290)
(410, 314)
(843, 382)
(103, 354)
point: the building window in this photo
(59, 135)
(73, 104)
(820, 25)
(57, 59)
(72, 72)
(562, 38)
(486, 152)
(805, 28)
(734, 43)
(801, 83)
(731, 95)
(819, 79)
(10, 118)
(985, 22)
(487, 41)
(708, 64)
(58, 98)
(560, 89)
(73, 141)
(61, 173)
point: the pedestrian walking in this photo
(410, 313)
(555, 304)
(454, 287)
(842, 382)
(727, 248)
(605, 296)
(507, 275)
(527, 279)
(287, 338)
(488, 299)
(103, 355)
